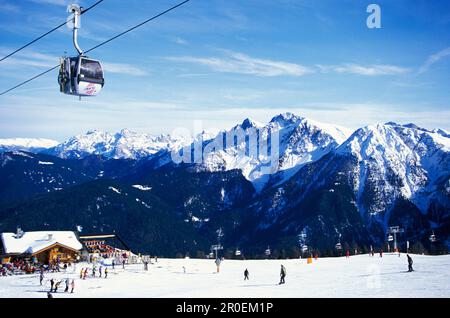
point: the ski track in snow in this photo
(358, 276)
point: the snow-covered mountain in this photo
(125, 144)
(300, 141)
(398, 161)
(382, 175)
(26, 144)
(326, 182)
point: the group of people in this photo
(283, 269)
(101, 272)
(54, 285)
(282, 275)
(18, 266)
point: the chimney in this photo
(19, 233)
(50, 237)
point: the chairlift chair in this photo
(432, 238)
(390, 238)
(237, 253)
(267, 252)
(304, 248)
(339, 246)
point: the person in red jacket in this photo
(347, 254)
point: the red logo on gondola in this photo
(90, 89)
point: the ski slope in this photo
(358, 276)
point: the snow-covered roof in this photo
(32, 242)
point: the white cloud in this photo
(40, 60)
(240, 63)
(244, 64)
(126, 69)
(370, 70)
(53, 2)
(181, 41)
(434, 58)
(9, 7)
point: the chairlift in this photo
(237, 253)
(304, 248)
(80, 75)
(339, 246)
(432, 238)
(267, 252)
(390, 238)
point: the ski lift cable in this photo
(98, 45)
(137, 26)
(47, 33)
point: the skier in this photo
(146, 265)
(57, 286)
(410, 263)
(81, 273)
(85, 273)
(347, 254)
(282, 275)
(93, 271)
(49, 295)
(41, 277)
(67, 286)
(218, 261)
(246, 274)
(184, 269)
(52, 283)
(100, 271)
(106, 272)
(72, 286)
(381, 252)
(113, 264)
(123, 264)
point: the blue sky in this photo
(220, 61)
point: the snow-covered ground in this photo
(358, 276)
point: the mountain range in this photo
(327, 182)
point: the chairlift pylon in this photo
(338, 245)
(80, 75)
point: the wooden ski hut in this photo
(44, 246)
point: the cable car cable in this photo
(137, 26)
(101, 44)
(29, 80)
(47, 33)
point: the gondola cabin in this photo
(80, 76)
